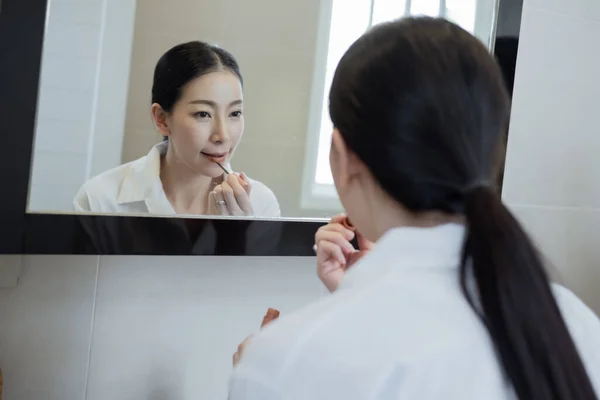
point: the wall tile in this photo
(552, 150)
(10, 268)
(568, 238)
(72, 40)
(81, 12)
(59, 136)
(47, 329)
(52, 197)
(76, 73)
(586, 9)
(59, 169)
(166, 327)
(65, 104)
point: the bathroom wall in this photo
(551, 178)
(80, 116)
(152, 328)
(144, 328)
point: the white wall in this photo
(552, 167)
(83, 91)
(147, 328)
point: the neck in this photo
(389, 214)
(186, 190)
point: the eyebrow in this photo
(213, 104)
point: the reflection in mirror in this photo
(200, 107)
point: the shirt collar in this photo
(409, 247)
(143, 176)
(142, 181)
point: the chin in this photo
(212, 172)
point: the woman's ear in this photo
(345, 165)
(160, 117)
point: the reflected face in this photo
(207, 122)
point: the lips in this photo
(215, 157)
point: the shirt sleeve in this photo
(264, 201)
(81, 202)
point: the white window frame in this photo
(321, 196)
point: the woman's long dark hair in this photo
(423, 104)
(184, 63)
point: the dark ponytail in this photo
(517, 305)
(423, 105)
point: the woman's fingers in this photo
(240, 351)
(337, 219)
(336, 237)
(230, 200)
(245, 182)
(217, 201)
(240, 193)
(327, 251)
(336, 227)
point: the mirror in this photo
(99, 139)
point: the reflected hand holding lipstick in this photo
(222, 167)
(232, 195)
(242, 181)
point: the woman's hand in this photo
(272, 315)
(231, 197)
(335, 253)
(240, 350)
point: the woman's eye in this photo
(202, 114)
(236, 114)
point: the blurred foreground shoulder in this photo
(584, 327)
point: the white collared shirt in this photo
(397, 328)
(136, 188)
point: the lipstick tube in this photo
(348, 225)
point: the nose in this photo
(220, 133)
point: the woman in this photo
(452, 301)
(197, 105)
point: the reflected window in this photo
(349, 20)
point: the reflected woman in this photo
(197, 105)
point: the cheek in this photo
(191, 131)
(236, 130)
(334, 166)
(331, 160)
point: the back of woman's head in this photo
(184, 63)
(423, 105)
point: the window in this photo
(346, 21)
